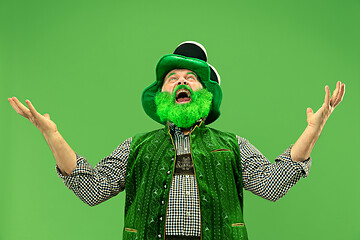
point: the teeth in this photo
(182, 91)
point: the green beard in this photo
(183, 115)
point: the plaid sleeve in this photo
(107, 179)
(303, 166)
(270, 180)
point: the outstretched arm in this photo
(91, 185)
(316, 121)
(268, 180)
(65, 157)
(96, 185)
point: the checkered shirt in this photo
(263, 178)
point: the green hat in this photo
(205, 72)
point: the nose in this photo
(182, 82)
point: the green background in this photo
(86, 63)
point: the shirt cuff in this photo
(303, 166)
(82, 167)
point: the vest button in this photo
(168, 172)
(165, 186)
(172, 159)
(162, 202)
(159, 236)
(160, 218)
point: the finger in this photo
(47, 116)
(309, 112)
(32, 109)
(341, 95)
(327, 95)
(15, 107)
(22, 108)
(335, 94)
(336, 97)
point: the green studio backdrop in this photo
(87, 62)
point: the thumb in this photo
(309, 112)
(47, 116)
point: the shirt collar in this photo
(177, 130)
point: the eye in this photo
(191, 77)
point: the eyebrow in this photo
(171, 74)
(186, 73)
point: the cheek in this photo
(167, 88)
(196, 86)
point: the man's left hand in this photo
(317, 120)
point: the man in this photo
(184, 181)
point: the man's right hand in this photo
(42, 122)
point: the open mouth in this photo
(182, 96)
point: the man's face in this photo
(181, 77)
(182, 99)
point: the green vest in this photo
(149, 174)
